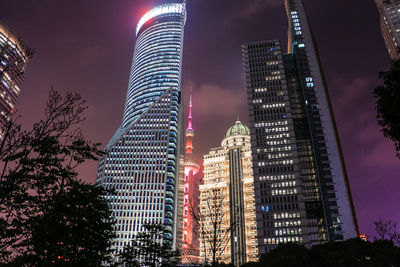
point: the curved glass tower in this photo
(157, 61)
(144, 159)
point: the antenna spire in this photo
(190, 112)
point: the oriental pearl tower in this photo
(193, 178)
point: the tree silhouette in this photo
(387, 230)
(352, 252)
(149, 248)
(215, 225)
(387, 104)
(48, 215)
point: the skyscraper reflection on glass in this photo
(144, 159)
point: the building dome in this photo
(238, 129)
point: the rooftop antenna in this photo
(191, 87)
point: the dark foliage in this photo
(47, 215)
(287, 255)
(387, 104)
(150, 249)
(352, 253)
(387, 230)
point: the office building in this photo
(144, 158)
(301, 185)
(191, 200)
(14, 57)
(389, 12)
(227, 205)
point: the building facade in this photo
(389, 12)
(227, 205)
(301, 185)
(13, 60)
(191, 199)
(144, 158)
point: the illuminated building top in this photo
(157, 62)
(13, 60)
(13, 41)
(238, 128)
(165, 10)
(227, 202)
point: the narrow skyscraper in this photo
(389, 12)
(301, 185)
(13, 59)
(191, 201)
(227, 206)
(144, 159)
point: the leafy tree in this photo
(47, 215)
(289, 254)
(150, 249)
(387, 104)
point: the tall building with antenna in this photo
(144, 158)
(191, 201)
(301, 184)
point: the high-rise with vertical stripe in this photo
(301, 186)
(144, 158)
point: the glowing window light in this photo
(160, 10)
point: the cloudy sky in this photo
(86, 46)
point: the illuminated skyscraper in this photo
(301, 185)
(144, 159)
(193, 178)
(227, 205)
(389, 11)
(13, 59)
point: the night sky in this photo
(86, 46)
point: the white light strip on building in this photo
(159, 10)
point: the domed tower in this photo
(193, 178)
(227, 199)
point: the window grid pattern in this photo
(335, 193)
(144, 158)
(156, 65)
(142, 167)
(278, 193)
(228, 190)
